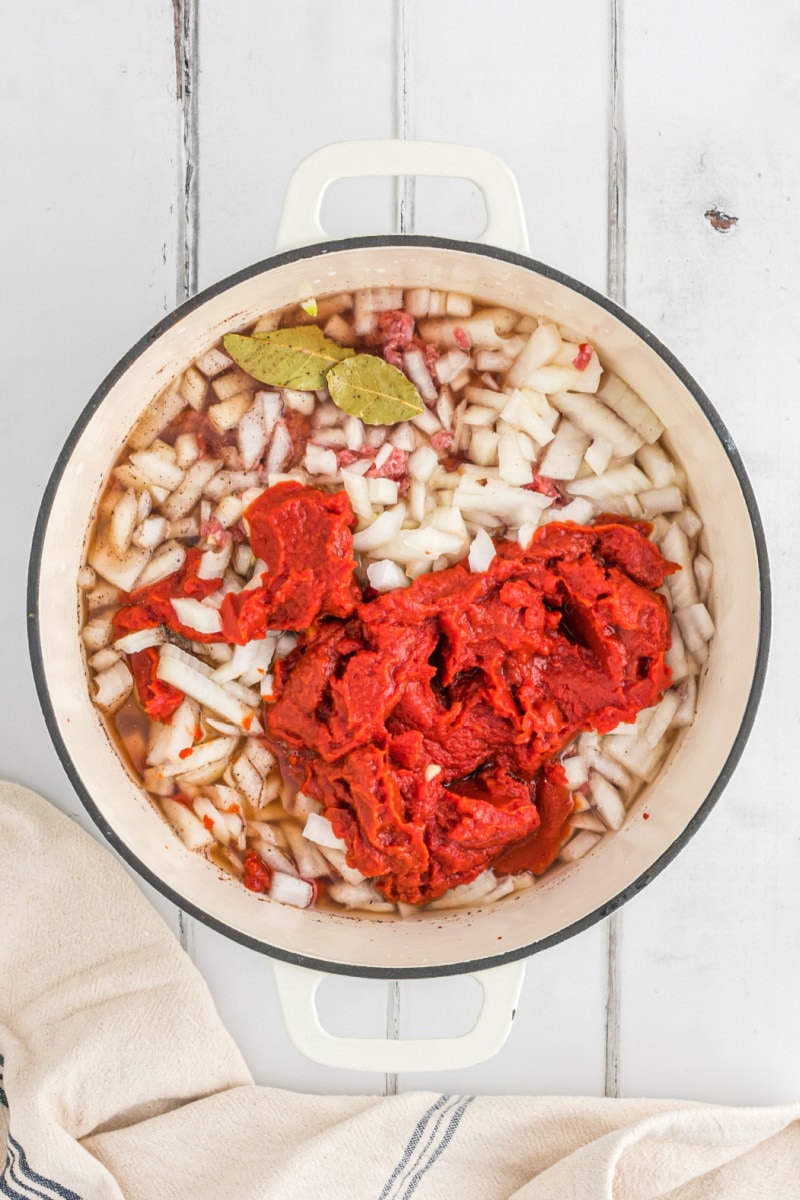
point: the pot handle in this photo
(297, 988)
(299, 223)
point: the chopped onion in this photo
(318, 461)
(319, 829)
(158, 469)
(381, 530)
(113, 686)
(190, 829)
(466, 893)
(576, 847)
(197, 616)
(385, 575)
(420, 376)
(359, 895)
(607, 801)
(141, 639)
(188, 678)
(576, 770)
(627, 405)
(165, 562)
(481, 552)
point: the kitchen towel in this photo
(117, 1079)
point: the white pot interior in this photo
(435, 940)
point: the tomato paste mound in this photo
(427, 722)
(305, 538)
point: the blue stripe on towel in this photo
(411, 1145)
(425, 1141)
(22, 1175)
(440, 1148)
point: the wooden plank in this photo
(709, 963)
(314, 74)
(89, 251)
(534, 91)
(532, 87)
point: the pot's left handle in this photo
(299, 223)
(297, 988)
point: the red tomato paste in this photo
(426, 722)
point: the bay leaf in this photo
(295, 358)
(367, 387)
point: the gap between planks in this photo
(404, 216)
(185, 30)
(615, 283)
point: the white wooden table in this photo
(145, 148)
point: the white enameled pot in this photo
(490, 942)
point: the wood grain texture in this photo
(709, 966)
(88, 235)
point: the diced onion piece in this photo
(450, 364)
(616, 482)
(157, 414)
(120, 569)
(213, 362)
(178, 737)
(504, 888)
(151, 533)
(184, 498)
(207, 754)
(587, 820)
(141, 639)
(338, 861)
(248, 780)
(417, 301)
(637, 755)
(192, 682)
(486, 398)
(576, 770)
(385, 576)
(382, 491)
(627, 405)
(113, 686)
(689, 522)
(466, 893)
(514, 467)
(662, 717)
(103, 659)
(597, 421)
(578, 846)
(158, 469)
(123, 521)
(427, 421)
(381, 530)
(213, 563)
(656, 464)
(613, 771)
(703, 573)
(483, 447)
(319, 830)
(687, 691)
(319, 461)
(251, 436)
(377, 300)
(697, 628)
(165, 562)
(310, 863)
(541, 347)
(280, 450)
(212, 820)
(481, 552)
(607, 801)
(529, 412)
(478, 416)
(359, 895)
(197, 616)
(660, 500)
(562, 458)
(420, 376)
(526, 532)
(187, 449)
(682, 585)
(357, 489)
(599, 455)
(189, 828)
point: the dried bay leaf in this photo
(367, 387)
(295, 358)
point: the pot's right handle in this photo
(297, 988)
(299, 223)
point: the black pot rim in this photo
(469, 965)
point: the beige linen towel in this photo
(118, 1080)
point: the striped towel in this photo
(118, 1080)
